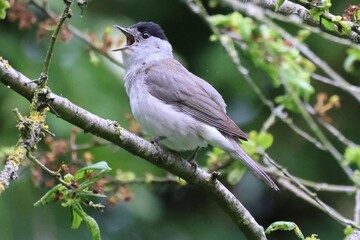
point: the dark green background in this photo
(165, 211)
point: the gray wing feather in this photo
(190, 94)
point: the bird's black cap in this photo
(151, 28)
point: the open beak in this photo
(130, 38)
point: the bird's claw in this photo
(192, 158)
(193, 164)
(155, 141)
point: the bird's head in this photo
(145, 42)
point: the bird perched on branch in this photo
(173, 105)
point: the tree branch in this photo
(289, 8)
(112, 132)
(357, 207)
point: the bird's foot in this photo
(155, 141)
(192, 158)
(193, 164)
(215, 176)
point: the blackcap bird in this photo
(172, 104)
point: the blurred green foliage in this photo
(352, 155)
(4, 4)
(270, 53)
(168, 210)
(352, 61)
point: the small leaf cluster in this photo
(275, 55)
(257, 143)
(77, 193)
(352, 61)
(330, 23)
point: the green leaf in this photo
(249, 147)
(288, 103)
(315, 13)
(100, 166)
(348, 230)
(86, 176)
(352, 155)
(357, 16)
(68, 177)
(4, 4)
(352, 61)
(90, 222)
(76, 219)
(51, 196)
(265, 140)
(345, 28)
(326, 4)
(285, 226)
(257, 143)
(278, 4)
(328, 25)
(312, 237)
(235, 175)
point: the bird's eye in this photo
(145, 35)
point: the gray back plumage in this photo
(190, 94)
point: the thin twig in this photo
(79, 34)
(301, 190)
(318, 132)
(152, 179)
(357, 207)
(43, 167)
(65, 14)
(87, 40)
(289, 8)
(271, 120)
(333, 130)
(325, 187)
(324, 79)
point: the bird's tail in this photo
(241, 155)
